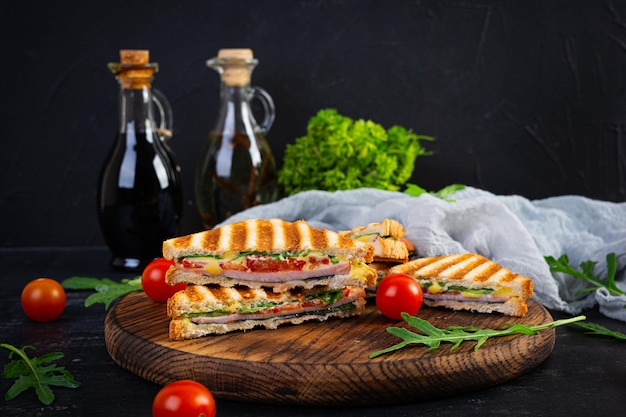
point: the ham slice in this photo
(456, 296)
(340, 268)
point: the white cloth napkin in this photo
(511, 230)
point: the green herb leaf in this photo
(331, 296)
(106, 289)
(339, 153)
(596, 329)
(432, 336)
(445, 193)
(37, 373)
(587, 274)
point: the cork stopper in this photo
(134, 56)
(134, 69)
(242, 53)
(236, 64)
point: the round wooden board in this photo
(323, 363)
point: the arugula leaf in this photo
(479, 291)
(339, 153)
(586, 273)
(433, 336)
(445, 193)
(331, 296)
(38, 373)
(106, 289)
(598, 330)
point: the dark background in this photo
(523, 97)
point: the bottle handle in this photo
(166, 115)
(268, 107)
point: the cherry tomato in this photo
(184, 398)
(153, 280)
(43, 299)
(397, 293)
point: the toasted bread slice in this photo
(470, 282)
(272, 236)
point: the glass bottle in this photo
(140, 190)
(236, 169)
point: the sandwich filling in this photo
(243, 303)
(266, 266)
(436, 290)
(374, 239)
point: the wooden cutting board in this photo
(323, 364)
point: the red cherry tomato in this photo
(397, 293)
(43, 299)
(184, 398)
(153, 281)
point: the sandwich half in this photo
(390, 246)
(272, 254)
(469, 282)
(387, 238)
(202, 310)
(264, 273)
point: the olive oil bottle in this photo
(236, 169)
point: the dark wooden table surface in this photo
(584, 375)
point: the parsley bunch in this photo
(339, 153)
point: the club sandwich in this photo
(202, 310)
(469, 282)
(264, 273)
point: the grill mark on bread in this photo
(318, 238)
(194, 294)
(458, 270)
(245, 292)
(211, 240)
(238, 236)
(265, 236)
(272, 295)
(183, 242)
(217, 291)
(505, 276)
(484, 271)
(510, 277)
(291, 235)
(434, 266)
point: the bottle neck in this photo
(235, 113)
(136, 111)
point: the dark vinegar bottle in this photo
(140, 192)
